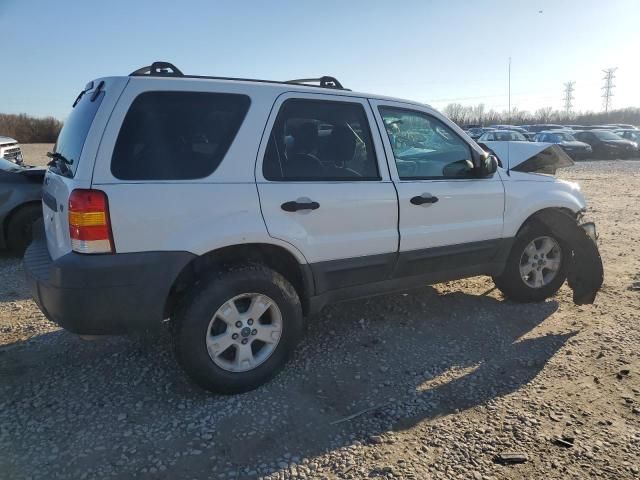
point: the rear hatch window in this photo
(71, 139)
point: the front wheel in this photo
(236, 329)
(536, 267)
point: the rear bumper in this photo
(102, 294)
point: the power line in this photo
(568, 97)
(609, 76)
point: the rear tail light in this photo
(89, 224)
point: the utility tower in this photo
(568, 97)
(607, 88)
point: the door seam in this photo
(395, 187)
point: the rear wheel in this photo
(236, 329)
(19, 228)
(536, 267)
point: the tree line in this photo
(28, 129)
(478, 115)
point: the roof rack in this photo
(163, 69)
(325, 82)
(166, 69)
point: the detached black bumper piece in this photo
(586, 272)
(102, 294)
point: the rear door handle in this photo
(424, 198)
(295, 206)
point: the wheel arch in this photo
(544, 211)
(276, 257)
(12, 213)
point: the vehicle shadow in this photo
(414, 356)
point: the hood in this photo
(7, 166)
(530, 157)
(623, 142)
(575, 144)
(4, 140)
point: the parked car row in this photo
(578, 141)
(573, 147)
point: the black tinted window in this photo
(316, 140)
(177, 135)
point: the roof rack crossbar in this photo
(325, 81)
(160, 69)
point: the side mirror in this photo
(488, 166)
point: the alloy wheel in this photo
(244, 332)
(540, 262)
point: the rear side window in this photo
(177, 135)
(319, 140)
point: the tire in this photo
(199, 322)
(519, 288)
(19, 228)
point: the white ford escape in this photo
(236, 207)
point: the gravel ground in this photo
(36, 153)
(433, 383)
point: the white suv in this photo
(237, 207)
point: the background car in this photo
(20, 203)
(629, 134)
(529, 135)
(544, 126)
(502, 136)
(606, 144)
(476, 132)
(10, 150)
(565, 140)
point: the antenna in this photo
(568, 98)
(609, 77)
(509, 121)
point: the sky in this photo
(432, 51)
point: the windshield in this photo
(563, 137)
(607, 135)
(74, 132)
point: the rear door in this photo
(325, 188)
(450, 220)
(75, 151)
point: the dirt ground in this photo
(433, 383)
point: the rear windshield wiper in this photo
(88, 87)
(60, 161)
(55, 156)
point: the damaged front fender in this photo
(586, 273)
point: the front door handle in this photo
(295, 206)
(424, 198)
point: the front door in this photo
(450, 219)
(324, 187)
